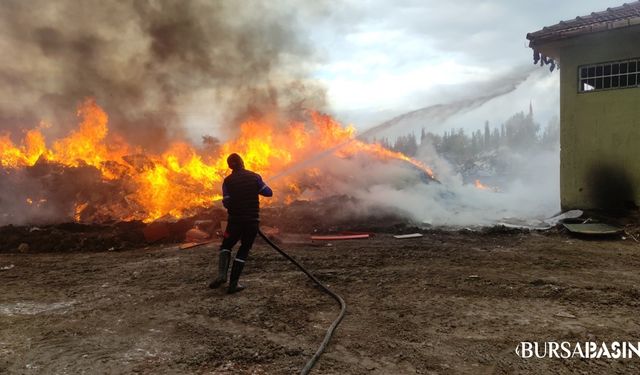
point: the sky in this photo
(382, 58)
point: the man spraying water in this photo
(240, 192)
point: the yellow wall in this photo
(600, 131)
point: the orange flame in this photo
(481, 186)
(182, 178)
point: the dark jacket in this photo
(240, 195)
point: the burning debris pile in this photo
(329, 215)
(94, 176)
(151, 70)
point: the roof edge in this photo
(625, 15)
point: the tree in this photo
(487, 136)
(521, 131)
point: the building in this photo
(599, 60)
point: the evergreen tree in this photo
(520, 132)
(487, 136)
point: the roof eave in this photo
(543, 36)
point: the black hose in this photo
(334, 325)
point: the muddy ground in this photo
(450, 302)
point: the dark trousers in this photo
(245, 232)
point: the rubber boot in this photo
(236, 270)
(223, 268)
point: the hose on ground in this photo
(334, 325)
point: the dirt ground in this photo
(450, 302)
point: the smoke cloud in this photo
(153, 64)
(531, 193)
(528, 193)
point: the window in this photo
(611, 75)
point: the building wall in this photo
(600, 131)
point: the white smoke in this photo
(530, 191)
(533, 193)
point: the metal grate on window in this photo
(607, 76)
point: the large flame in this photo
(183, 178)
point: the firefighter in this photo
(240, 192)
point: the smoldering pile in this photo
(154, 66)
(329, 215)
(49, 192)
